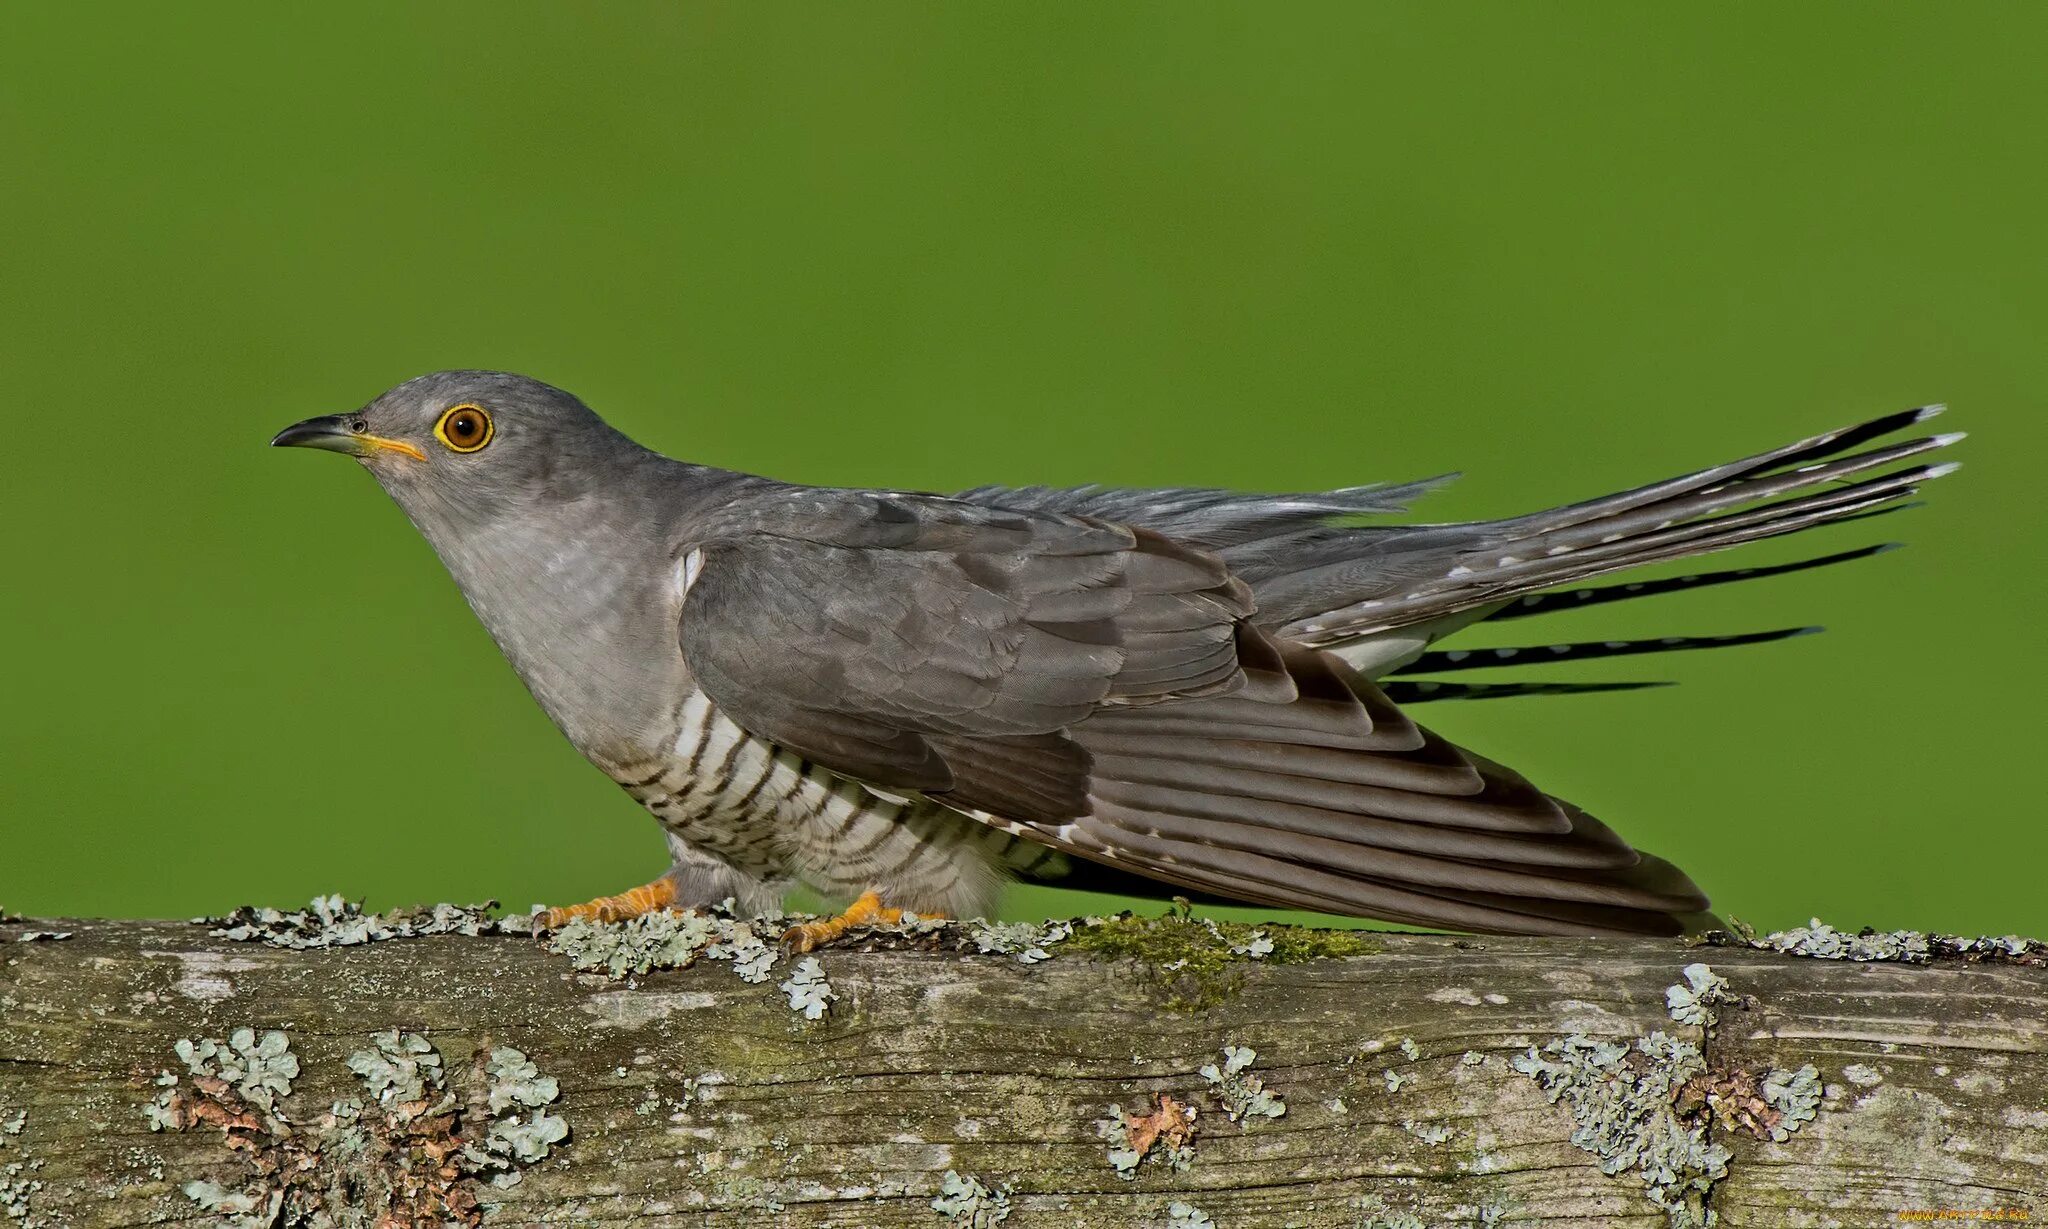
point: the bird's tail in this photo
(1407, 586)
(1600, 595)
(1423, 691)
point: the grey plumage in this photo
(925, 695)
(1211, 518)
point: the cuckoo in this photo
(907, 700)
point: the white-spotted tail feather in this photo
(1786, 490)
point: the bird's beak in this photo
(338, 433)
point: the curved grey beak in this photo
(338, 433)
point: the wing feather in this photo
(1105, 691)
(917, 642)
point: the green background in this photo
(1562, 248)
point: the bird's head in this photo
(470, 446)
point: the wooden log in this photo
(1416, 1074)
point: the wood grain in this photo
(697, 1099)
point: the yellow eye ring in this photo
(465, 428)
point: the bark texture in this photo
(695, 1098)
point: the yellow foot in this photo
(627, 905)
(867, 911)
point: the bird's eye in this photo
(465, 428)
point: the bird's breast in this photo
(592, 634)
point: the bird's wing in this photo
(1103, 690)
(922, 643)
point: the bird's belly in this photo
(774, 816)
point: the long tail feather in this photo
(1826, 444)
(1668, 513)
(1708, 511)
(1444, 661)
(1579, 599)
(1418, 691)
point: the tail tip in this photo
(1944, 469)
(1928, 411)
(1946, 438)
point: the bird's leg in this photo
(647, 898)
(868, 910)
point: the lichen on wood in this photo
(410, 1156)
(1842, 1091)
(1821, 941)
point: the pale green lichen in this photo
(1123, 1158)
(752, 958)
(18, 1188)
(1431, 1133)
(669, 940)
(1256, 946)
(333, 921)
(1795, 1095)
(1624, 1115)
(969, 1203)
(808, 990)
(261, 1069)
(423, 1142)
(1821, 941)
(1244, 1096)
(18, 1183)
(161, 1113)
(246, 1070)
(1187, 1216)
(1028, 942)
(531, 1139)
(1694, 1000)
(404, 1068)
(660, 940)
(1824, 942)
(1394, 1079)
(517, 1083)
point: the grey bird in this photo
(907, 699)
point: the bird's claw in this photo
(627, 905)
(868, 910)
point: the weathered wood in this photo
(697, 1099)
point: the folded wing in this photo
(1104, 690)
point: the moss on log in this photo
(1384, 1080)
